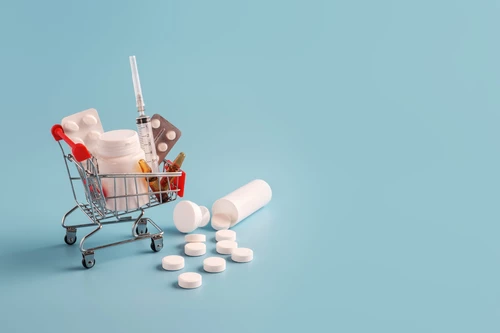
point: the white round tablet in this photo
(171, 135)
(162, 147)
(225, 235)
(214, 264)
(221, 222)
(242, 254)
(155, 123)
(189, 280)
(226, 246)
(195, 249)
(172, 263)
(195, 238)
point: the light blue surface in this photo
(375, 123)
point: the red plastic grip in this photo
(79, 151)
(182, 181)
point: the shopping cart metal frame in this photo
(85, 172)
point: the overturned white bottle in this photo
(239, 204)
(119, 152)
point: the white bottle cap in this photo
(118, 143)
(188, 216)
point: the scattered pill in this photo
(242, 255)
(155, 123)
(225, 246)
(189, 280)
(221, 222)
(163, 147)
(214, 264)
(225, 235)
(195, 238)
(172, 263)
(171, 135)
(195, 249)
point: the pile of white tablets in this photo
(195, 247)
(226, 244)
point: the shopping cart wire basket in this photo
(103, 204)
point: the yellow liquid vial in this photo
(174, 167)
(153, 182)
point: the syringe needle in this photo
(143, 122)
(137, 86)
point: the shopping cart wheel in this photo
(70, 240)
(156, 244)
(70, 237)
(141, 230)
(88, 260)
(142, 227)
(88, 263)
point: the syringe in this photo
(143, 122)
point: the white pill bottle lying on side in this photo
(239, 204)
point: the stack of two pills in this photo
(226, 244)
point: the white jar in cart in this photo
(119, 152)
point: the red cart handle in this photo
(181, 182)
(79, 151)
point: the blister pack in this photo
(84, 127)
(165, 135)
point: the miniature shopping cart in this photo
(96, 204)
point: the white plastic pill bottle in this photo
(241, 203)
(119, 152)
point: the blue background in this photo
(375, 123)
